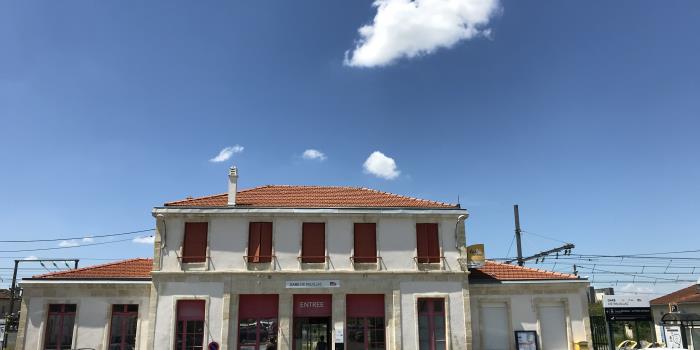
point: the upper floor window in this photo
(260, 242)
(313, 242)
(59, 327)
(194, 247)
(189, 332)
(365, 242)
(122, 334)
(428, 243)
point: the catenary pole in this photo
(517, 235)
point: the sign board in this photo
(313, 284)
(616, 301)
(476, 257)
(626, 308)
(213, 346)
(526, 340)
(674, 338)
(628, 314)
(312, 305)
(2, 330)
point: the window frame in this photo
(125, 313)
(187, 257)
(62, 315)
(258, 316)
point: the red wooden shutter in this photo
(365, 243)
(428, 243)
(194, 248)
(260, 242)
(313, 242)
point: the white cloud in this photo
(410, 28)
(226, 153)
(70, 243)
(88, 240)
(31, 257)
(144, 240)
(381, 166)
(312, 154)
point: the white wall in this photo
(452, 292)
(523, 302)
(228, 240)
(168, 294)
(93, 312)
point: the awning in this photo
(679, 318)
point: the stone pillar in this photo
(284, 338)
(338, 317)
(396, 317)
(229, 325)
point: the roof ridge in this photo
(91, 267)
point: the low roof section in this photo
(690, 294)
(140, 269)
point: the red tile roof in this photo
(689, 294)
(313, 197)
(131, 269)
(496, 271)
(140, 269)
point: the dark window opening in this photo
(257, 322)
(59, 327)
(123, 327)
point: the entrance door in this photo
(312, 333)
(312, 322)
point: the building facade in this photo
(302, 268)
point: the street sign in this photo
(628, 314)
(213, 346)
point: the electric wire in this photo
(73, 238)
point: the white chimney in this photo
(232, 185)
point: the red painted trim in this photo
(364, 305)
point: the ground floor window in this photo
(189, 333)
(257, 322)
(122, 331)
(431, 324)
(59, 327)
(365, 322)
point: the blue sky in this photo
(585, 114)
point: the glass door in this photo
(311, 333)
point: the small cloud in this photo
(313, 154)
(70, 243)
(144, 240)
(381, 166)
(226, 153)
(31, 257)
(411, 28)
(88, 240)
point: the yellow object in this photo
(475, 255)
(582, 345)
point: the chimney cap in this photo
(233, 171)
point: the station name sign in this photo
(622, 308)
(313, 284)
